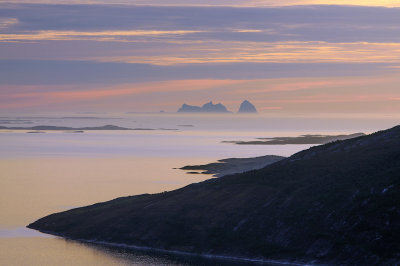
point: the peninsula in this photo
(303, 139)
(232, 165)
(337, 203)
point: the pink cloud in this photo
(271, 108)
(34, 96)
(299, 84)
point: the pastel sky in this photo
(295, 57)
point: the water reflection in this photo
(136, 257)
(43, 251)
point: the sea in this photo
(42, 172)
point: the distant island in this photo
(303, 139)
(333, 204)
(245, 107)
(206, 108)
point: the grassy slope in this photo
(333, 203)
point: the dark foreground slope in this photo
(337, 203)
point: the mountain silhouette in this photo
(206, 108)
(247, 107)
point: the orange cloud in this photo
(271, 108)
(7, 22)
(329, 98)
(259, 87)
(90, 35)
(267, 52)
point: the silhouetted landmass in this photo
(34, 132)
(247, 107)
(88, 117)
(186, 108)
(80, 129)
(167, 129)
(233, 165)
(303, 139)
(206, 108)
(15, 121)
(336, 203)
(74, 131)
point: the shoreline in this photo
(179, 253)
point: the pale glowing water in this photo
(54, 171)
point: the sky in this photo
(294, 57)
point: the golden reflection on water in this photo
(56, 251)
(31, 188)
(38, 251)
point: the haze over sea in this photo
(58, 170)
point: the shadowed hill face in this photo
(336, 203)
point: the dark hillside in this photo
(337, 203)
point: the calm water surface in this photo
(55, 171)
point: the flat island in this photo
(303, 139)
